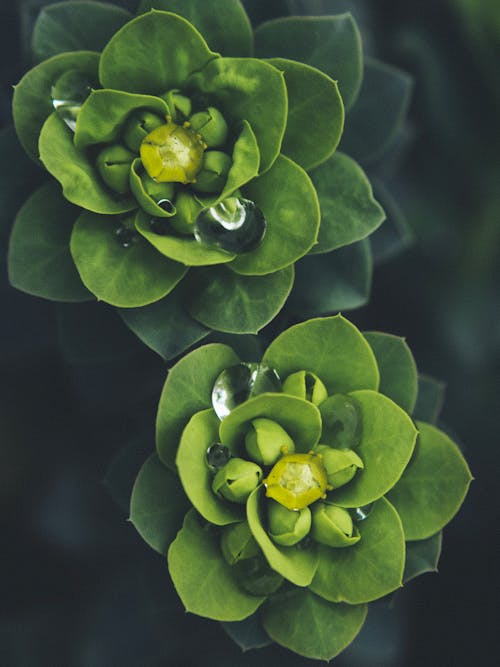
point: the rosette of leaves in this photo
(191, 170)
(311, 484)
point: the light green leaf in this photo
(433, 486)
(295, 564)
(371, 568)
(157, 505)
(331, 347)
(226, 301)
(188, 389)
(39, 259)
(248, 633)
(422, 556)
(126, 277)
(315, 113)
(75, 26)
(32, 102)
(430, 399)
(200, 433)
(387, 443)
(310, 626)
(333, 45)
(398, 371)
(246, 160)
(225, 27)
(349, 211)
(204, 581)
(288, 200)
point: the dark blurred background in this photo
(79, 588)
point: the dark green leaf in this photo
(124, 468)
(430, 399)
(422, 556)
(395, 235)
(248, 634)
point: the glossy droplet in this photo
(217, 456)
(238, 383)
(68, 94)
(125, 236)
(235, 225)
(166, 205)
(359, 514)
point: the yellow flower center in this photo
(297, 480)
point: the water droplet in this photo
(359, 514)
(235, 225)
(68, 94)
(238, 383)
(125, 236)
(166, 205)
(217, 456)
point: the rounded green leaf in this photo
(200, 433)
(333, 45)
(188, 389)
(32, 102)
(146, 201)
(430, 399)
(331, 347)
(72, 168)
(422, 556)
(157, 505)
(175, 48)
(386, 446)
(39, 259)
(433, 485)
(349, 211)
(126, 277)
(203, 580)
(252, 90)
(248, 633)
(398, 371)
(371, 568)
(226, 28)
(226, 301)
(293, 563)
(315, 113)
(310, 626)
(75, 26)
(288, 200)
(300, 419)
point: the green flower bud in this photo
(157, 191)
(179, 105)
(213, 173)
(238, 543)
(266, 441)
(236, 480)
(306, 385)
(139, 124)
(113, 164)
(341, 464)
(342, 422)
(256, 577)
(333, 526)
(287, 527)
(187, 209)
(211, 125)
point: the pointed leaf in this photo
(248, 634)
(422, 556)
(430, 399)
(395, 235)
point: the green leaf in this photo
(252, 90)
(39, 260)
(175, 48)
(349, 211)
(422, 556)
(204, 581)
(398, 371)
(387, 443)
(371, 568)
(315, 113)
(246, 160)
(225, 27)
(288, 200)
(300, 419)
(395, 235)
(226, 301)
(200, 433)
(75, 26)
(331, 347)
(126, 277)
(157, 505)
(295, 564)
(188, 389)
(433, 485)
(124, 467)
(430, 399)
(384, 99)
(336, 281)
(310, 626)
(73, 169)
(248, 633)
(332, 44)
(103, 113)
(32, 102)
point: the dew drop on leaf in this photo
(166, 205)
(239, 383)
(217, 456)
(68, 94)
(359, 514)
(125, 236)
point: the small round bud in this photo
(178, 104)
(333, 526)
(113, 164)
(306, 385)
(341, 464)
(287, 527)
(266, 441)
(211, 125)
(236, 480)
(187, 210)
(139, 124)
(213, 173)
(155, 190)
(238, 543)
